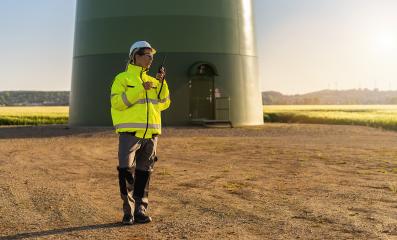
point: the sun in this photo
(385, 41)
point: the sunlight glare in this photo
(385, 42)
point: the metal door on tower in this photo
(202, 98)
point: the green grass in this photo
(33, 115)
(380, 116)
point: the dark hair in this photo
(141, 51)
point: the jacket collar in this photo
(136, 69)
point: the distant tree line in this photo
(329, 97)
(34, 98)
(324, 97)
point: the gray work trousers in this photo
(136, 161)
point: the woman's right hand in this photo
(147, 85)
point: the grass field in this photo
(382, 116)
(33, 115)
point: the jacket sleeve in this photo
(123, 96)
(163, 94)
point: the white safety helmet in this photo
(141, 44)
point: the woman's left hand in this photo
(161, 74)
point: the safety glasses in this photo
(141, 52)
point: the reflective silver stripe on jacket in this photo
(137, 125)
(153, 101)
(164, 99)
(125, 100)
(141, 101)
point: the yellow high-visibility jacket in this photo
(133, 108)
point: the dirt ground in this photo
(277, 181)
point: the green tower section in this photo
(211, 58)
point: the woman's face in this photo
(144, 58)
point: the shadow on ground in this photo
(46, 131)
(62, 231)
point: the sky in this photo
(308, 45)
(303, 45)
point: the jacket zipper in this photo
(147, 109)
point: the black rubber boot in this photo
(141, 193)
(127, 219)
(140, 216)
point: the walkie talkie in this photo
(162, 63)
(159, 71)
